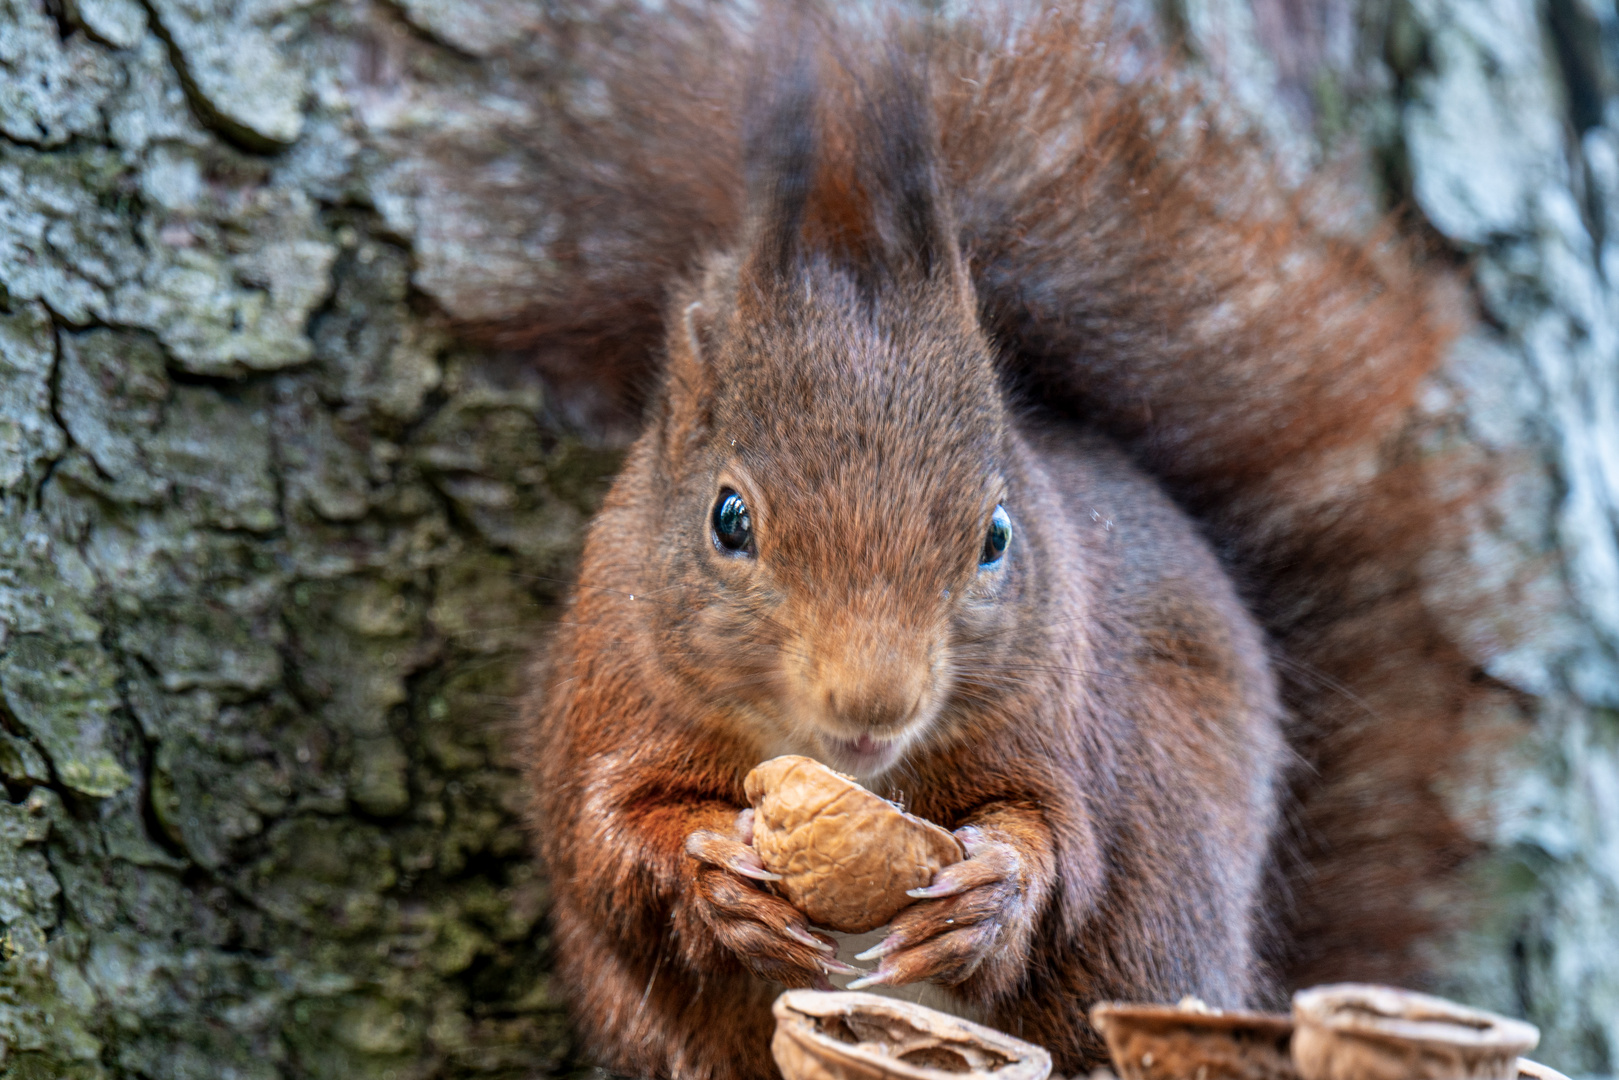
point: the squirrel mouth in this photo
(864, 756)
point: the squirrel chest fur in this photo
(842, 535)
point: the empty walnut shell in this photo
(846, 857)
(1534, 1070)
(1193, 1042)
(1351, 1031)
(850, 1036)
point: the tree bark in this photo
(274, 544)
(272, 553)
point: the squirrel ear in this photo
(696, 322)
(687, 411)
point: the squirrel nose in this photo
(862, 681)
(877, 709)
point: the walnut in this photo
(846, 857)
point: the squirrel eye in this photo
(733, 528)
(999, 535)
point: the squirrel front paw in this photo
(965, 915)
(768, 935)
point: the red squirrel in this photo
(988, 364)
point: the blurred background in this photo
(275, 540)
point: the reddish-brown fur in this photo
(1108, 715)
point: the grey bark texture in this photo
(274, 543)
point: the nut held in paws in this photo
(846, 857)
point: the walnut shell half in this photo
(847, 1036)
(1354, 1031)
(846, 857)
(1164, 1042)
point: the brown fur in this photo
(859, 360)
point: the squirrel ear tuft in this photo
(779, 142)
(840, 156)
(913, 229)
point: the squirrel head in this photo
(835, 519)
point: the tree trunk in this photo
(274, 544)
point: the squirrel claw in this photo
(756, 873)
(803, 937)
(838, 967)
(889, 944)
(937, 890)
(876, 978)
